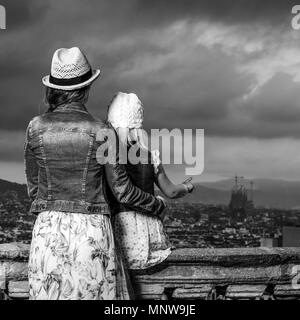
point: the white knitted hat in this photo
(126, 111)
(70, 70)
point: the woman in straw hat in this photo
(140, 237)
(73, 254)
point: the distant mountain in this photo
(207, 195)
(267, 193)
(19, 189)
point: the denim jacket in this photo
(63, 173)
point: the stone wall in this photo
(258, 273)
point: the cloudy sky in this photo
(230, 67)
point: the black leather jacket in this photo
(63, 173)
(142, 176)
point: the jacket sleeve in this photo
(127, 193)
(31, 167)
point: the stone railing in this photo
(258, 273)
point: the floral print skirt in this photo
(73, 257)
(142, 239)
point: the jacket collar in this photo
(72, 107)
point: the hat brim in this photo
(47, 83)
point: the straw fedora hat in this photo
(70, 70)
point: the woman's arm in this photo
(31, 168)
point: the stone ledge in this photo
(221, 257)
(236, 257)
(18, 289)
(242, 292)
(14, 251)
(204, 292)
(250, 273)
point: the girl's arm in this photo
(167, 187)
(125, 191)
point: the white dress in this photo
(73, 257)
(141, 238)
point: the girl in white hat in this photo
(140, 237)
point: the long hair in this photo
(55, 97)
(136, 138)
(131, 136)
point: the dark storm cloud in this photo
(188, 95)
(278, 101)
(193, 63)
(11, 145)
(143, 13)
(237, 11)
(23, 13)
(188, 84)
